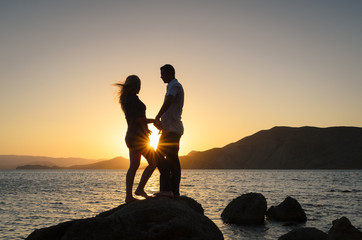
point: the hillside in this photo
(286, 148)
(115, 163)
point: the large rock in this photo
(249, 208)
(343, 229)
(288, 210)
(304, 234)
(151, 219)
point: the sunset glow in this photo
(154, 137)
(245, 66)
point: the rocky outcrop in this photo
(288, 210)
(249, 208)
(304, 234)
(151, 219)
(343, 229)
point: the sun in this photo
(154, 137)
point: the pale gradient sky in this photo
(244, 65)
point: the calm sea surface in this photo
(32, 199)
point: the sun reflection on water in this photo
(35, 199)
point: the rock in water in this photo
(288, 210)
(343, 229)
(305, 234)
(152, 219)
(249, 208)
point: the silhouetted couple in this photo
(168, 121)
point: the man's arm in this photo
(166, 104)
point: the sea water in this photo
(33, 199)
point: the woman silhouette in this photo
(137, 139)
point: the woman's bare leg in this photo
(135, 158)
(150, 157)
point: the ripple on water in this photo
(45, 198)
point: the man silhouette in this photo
(169, 120)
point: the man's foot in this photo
(130, 199)
(142, 193)
(164, 194)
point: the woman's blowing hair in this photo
(132, 85)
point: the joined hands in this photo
(158, 124)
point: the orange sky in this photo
(244, 65)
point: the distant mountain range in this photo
(276, 148)
(27, 162)
(286, 148)
(115, 163)
(13, 161)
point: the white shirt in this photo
(171, 119)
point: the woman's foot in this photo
(141, 193)
(130, 199)
(164, 194)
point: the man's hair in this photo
(169, 68)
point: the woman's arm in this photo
(150, 120)
(143, 120)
